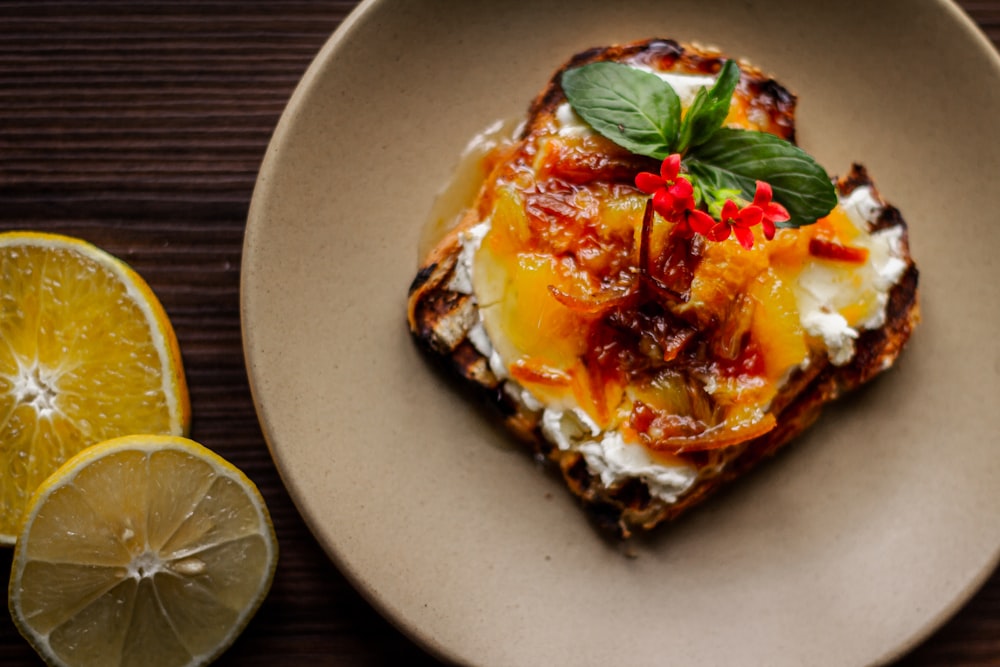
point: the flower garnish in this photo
(771, 212)
(642, 113)
(672, 194)
(738, 221)
(673, 199)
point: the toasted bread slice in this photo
(447, 313)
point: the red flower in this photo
(700, 222)
(673, 199)
(771, 212)
(672, 194)
(691, 222)
(737, 221)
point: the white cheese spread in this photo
(609, 456)
(469, 240)
(613, 459)
(824, 288)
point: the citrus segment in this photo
(142, 550)
(86, 354)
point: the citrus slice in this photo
(143, 550)
(86, 354)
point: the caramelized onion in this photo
(531, 372)
(734, 328)
(620, 294)
(597, 303)
(714, 437)
(585, 161)
(663, 282)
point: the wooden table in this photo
(140, 126)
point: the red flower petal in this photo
(663, 203)
(775, 212)
(682, 188)
(745, 236)
(671, 167)
(700, 222)
(685, 204)
(763, 194)
(648, 182)
(720, 231)
(729, 211)
(749, 216)
(768, 227)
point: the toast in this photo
(718, 375)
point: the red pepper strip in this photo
(836, 252)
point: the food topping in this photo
(648, 277)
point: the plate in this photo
(849, 548)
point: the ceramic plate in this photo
(849, 548)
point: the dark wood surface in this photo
(140, 126)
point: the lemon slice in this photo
(86, 354)
(142, 550)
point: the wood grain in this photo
(140, 126)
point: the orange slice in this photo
(86, 354)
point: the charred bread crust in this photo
(440, 319)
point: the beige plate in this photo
(846, 550)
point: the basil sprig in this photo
(641, 112)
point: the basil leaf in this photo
(709, 109)
(637, 110)
(739, 158)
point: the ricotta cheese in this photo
(685, 85)
(609, 456)
(613, 459)
(469, 240)
(824, 288)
